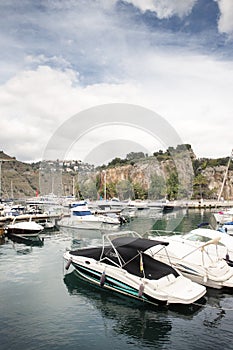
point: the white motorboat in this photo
(224, 216)
(25, 228)
(197, 260)
(114, 205)
(227, 227)
(224, 247)
(122, 264)
(48, 224)
(81, 217)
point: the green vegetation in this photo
(157, 188)
(169, 187)
(172, 186)
(20, 179)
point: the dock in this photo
(201, 204)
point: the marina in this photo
(116, 175)
(48, 306)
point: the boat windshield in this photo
(196, 237)
(199, 238)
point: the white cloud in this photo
(70, 57)
(43, 60)
(225, 22)
(192, 92)
(165, 8)
(119, 135)
(35, 102)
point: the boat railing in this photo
(108, 237)
(201, 247)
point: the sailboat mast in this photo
(225, 176)
(73, 187)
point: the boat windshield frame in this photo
(109, 238)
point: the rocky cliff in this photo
(21, 180)
(215, 177)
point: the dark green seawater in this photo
(42, 307)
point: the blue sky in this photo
(59, 58)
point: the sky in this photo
(60, 58)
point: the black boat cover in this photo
(141, 244)
(131, 255)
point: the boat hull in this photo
(25, 228)
(86, 225)
(201, 280)
(114, 285)
(23, 232)
(119, 280)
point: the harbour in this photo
(43, 305)
(116, 175)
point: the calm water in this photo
(44, 308)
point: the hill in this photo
(18, 179)
(137, 176)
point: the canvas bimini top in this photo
(128, 253)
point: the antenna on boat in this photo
(225, 176)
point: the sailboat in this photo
(225, 217)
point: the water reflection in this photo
(216, 307)
(2, 239)
(27, 241)
(22, 245)
(147, 323)
(130, 317)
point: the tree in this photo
(116, 162)
(139, 191)
(200, 187)
(172, 186)
(125, 189)
(135, 155)
(157, 188)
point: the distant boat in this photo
(138, 204)
(48, 224)
(168, 208)
(81, 217)
(113, 205)
(25, 228)
(228, 227)
(224, 216)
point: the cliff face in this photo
(21, 180)
(215, 177)
(150, 169)
(17, 179)
(142, 172)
